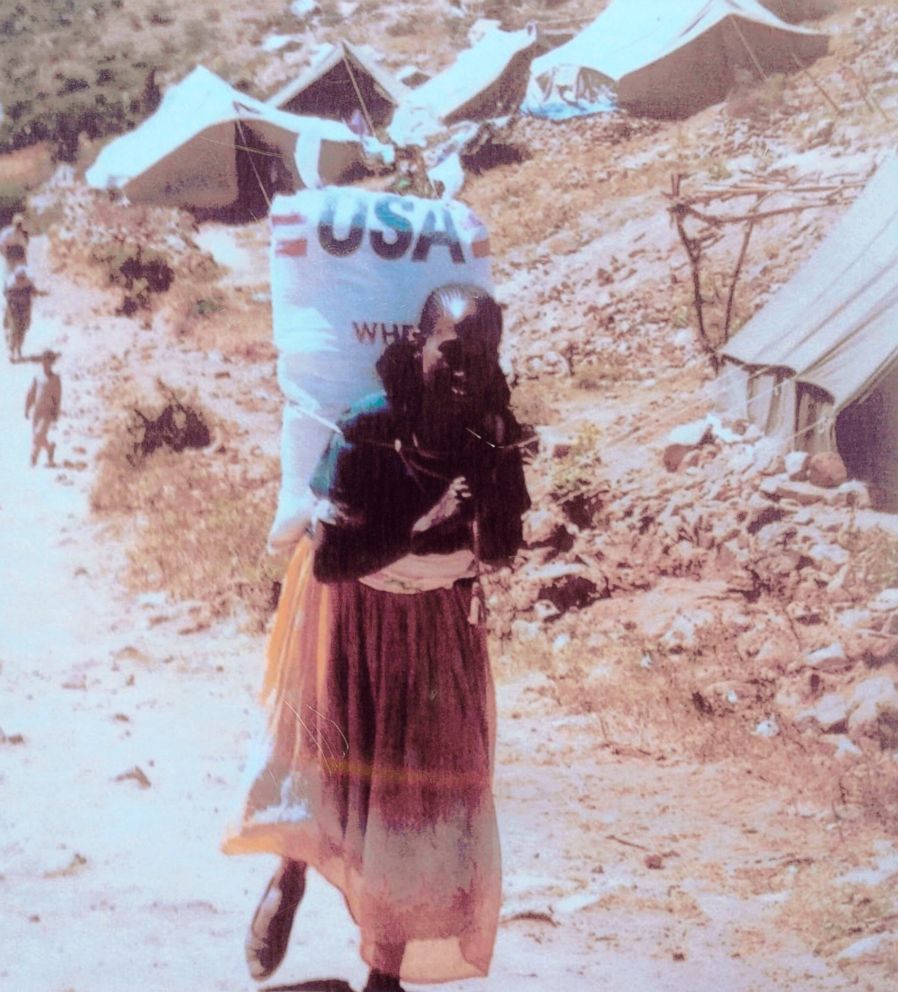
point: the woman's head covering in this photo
(470, 308)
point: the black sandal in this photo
(380, 981)
(269, 932)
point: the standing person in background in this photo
(378, 765)
(14, 245)
(43, 404)
(19, 291)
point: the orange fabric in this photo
(376, 766)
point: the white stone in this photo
(545, 610)
(829, 711)
(870, 698)
(741, 459)
(853, 493)
(767, 728)
(866, 945)
(561, 642)
(845, 746)
(482, 27)
(525, 630)
(719, 432)
(681, 635)
(831, 555)
(852, 619)
(796, 464)
(885, 602)
(832, 658)
(275, 42)
(691, 435)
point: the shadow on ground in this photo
(315, 985)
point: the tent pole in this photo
(748, 47)
(825, 95)
(358, 93)
(252, 163)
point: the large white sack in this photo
(350, 271)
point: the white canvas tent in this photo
(341, 85)
(211, 146)
(665, 58)
(818, 365)
(485, 81)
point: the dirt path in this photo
(124, 736)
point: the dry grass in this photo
(213, 317)
(196, 520)
(833, 916)
(648, 701)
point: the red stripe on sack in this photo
(287, 219)
(293, 249)
(481, 249)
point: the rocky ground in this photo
(697, 653)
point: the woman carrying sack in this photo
(378, 765)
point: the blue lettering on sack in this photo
(329, 241)
(431, 236)
(401, 226)
(385, 209)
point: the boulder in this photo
(827, 470)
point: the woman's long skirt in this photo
(377, 766)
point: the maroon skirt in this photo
(376, 766)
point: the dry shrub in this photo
(196, 521)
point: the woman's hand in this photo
(450, 504)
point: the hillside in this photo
(697, 662)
